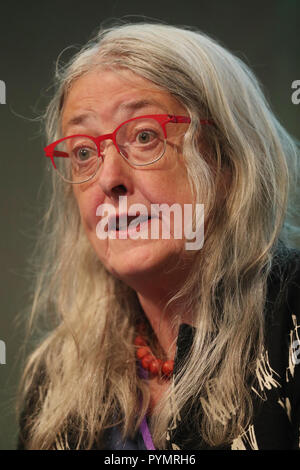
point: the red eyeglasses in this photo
(141, 141)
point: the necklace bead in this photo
(149, 362)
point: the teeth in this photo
(143, 218)
(121, 226)
(124, 224)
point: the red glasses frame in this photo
(162, 119)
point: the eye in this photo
(82, 154)
(144, 137)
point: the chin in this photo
(158, 273)
(132, 260)
(137, 266)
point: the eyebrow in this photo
(77, 120)
(138, 104)
(133, 105)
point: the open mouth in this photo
(126, 222)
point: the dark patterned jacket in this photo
(276, 399)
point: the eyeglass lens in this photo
(140, 141)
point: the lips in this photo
(121, 222)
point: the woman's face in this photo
(96, 104)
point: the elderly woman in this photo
(156, 340)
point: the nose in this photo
(115, 175)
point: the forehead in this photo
(111, 94)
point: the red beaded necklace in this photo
(149, 362)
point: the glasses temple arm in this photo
(57, 153)
(185, 119)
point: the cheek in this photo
(171, 188)
(88, 202)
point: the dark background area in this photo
(265, 34)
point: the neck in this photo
(163, 321)
(161, 324)
(154, 290)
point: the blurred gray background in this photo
(263, 33)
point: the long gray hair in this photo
(88, 350)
